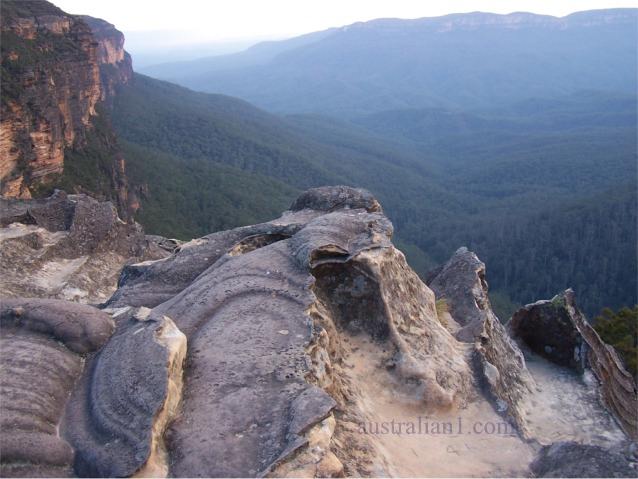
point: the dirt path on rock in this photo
(565, 406)
(473, 441)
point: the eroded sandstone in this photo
(557, 330)
(67, 247)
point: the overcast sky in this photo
(227, 20)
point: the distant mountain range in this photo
(473, 60)
(513, 135)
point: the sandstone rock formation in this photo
(268, 350)
(557, 330)
(461, 283)
(43, 343)
(68, 247)
(262, 307)
(69, 407)
(61, 70)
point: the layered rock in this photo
(82, 397)
(58, 73)
(557, 329)
(117, 415)
(68, 247)
(42, 347)
(461, 284)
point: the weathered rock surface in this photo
(556, 329)
(41, 347)
(81, 397)
(461, 283)
(262, 307)
(116, 417)
(570, 459)
(300, 331)
(68, 247)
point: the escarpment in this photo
(58, 70)
(278, 349)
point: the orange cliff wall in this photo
(56, 69)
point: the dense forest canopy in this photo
(538, 191)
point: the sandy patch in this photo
(468, 442)
(565, 406)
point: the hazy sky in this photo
(224, 20)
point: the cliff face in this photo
(57, 69)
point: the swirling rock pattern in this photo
(248, 317)
(112, 415)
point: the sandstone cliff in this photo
(57, 71)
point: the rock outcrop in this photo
(116, 417)
(557, 330)
(82, 397)
(68, 247)
(268, 350)
(61, 68)
(461, 284)
(262, 306)
(42, 347)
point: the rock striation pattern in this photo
(68, 247)
(557, 330)
(117, 415)
(83, 397)
(62, 67)
(42, 347)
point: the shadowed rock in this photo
(558, 330)
(116, 417)
(570, 459)
(41, 343)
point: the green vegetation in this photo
(185, 199)
(540, 207)
(89, 164)
(620, 329)
(502, 305)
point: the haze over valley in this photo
(318, 239)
